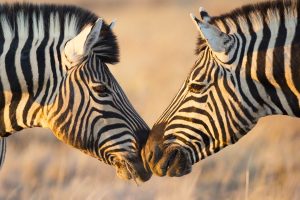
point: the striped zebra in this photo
(54, 75)
(247, 67)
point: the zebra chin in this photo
(132, 168)
(173, 161)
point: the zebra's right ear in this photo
(80, 46)
(217, 40)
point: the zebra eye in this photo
(196, 88)
(102, 90)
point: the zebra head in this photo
(91, 112)
(201, 118)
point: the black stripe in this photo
(221, 121)
(250, 82)
(279, 68)
(261, 66)
(82, 126)
(41, 57)
(25, 57)
(295, 49)
(228, 109)
(2, 97)
(60, 43)
(26, 67)
(242, 44)
(196, 100)
(53, 70)
(122, 142)
(41, 62)
(111, 138)
(12, 79)
(198, 122)
(71, 99)
(62, 120)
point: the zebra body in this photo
(54, 75)
(247, 67)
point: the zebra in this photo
(247, 67)
(54, 75)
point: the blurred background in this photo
(157, 41)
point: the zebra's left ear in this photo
(80, 46)
(216, 39)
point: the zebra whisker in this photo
(132, 172)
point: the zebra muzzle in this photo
(175, 162)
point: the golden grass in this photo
(157, 42)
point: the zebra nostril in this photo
(150, 155)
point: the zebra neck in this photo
(32, 66)
(31, 72)
(265, 58)
(267, 72)
(271, 83)
(25, 97)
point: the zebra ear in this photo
(112, 25)
(216, 39)
(80, 46)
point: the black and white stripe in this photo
(247, 67)
(54, 75)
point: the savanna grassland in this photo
(157, 41)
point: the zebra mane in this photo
(257, 14)
(18, 18)
(265, 10)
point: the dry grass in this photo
(157, 41)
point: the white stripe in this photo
(22, 23)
